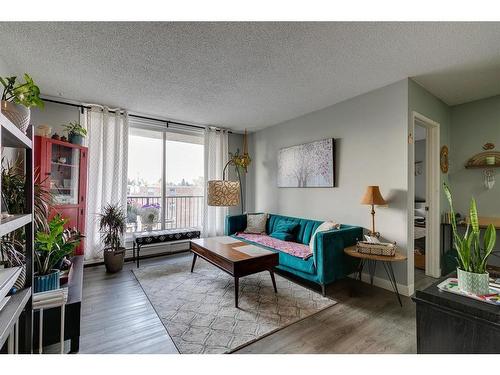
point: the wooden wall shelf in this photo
(479, 160)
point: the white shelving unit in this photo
(15, 327)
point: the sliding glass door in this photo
(165, 179)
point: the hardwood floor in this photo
(118, 318)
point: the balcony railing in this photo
(179, 212)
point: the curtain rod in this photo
(81, 106)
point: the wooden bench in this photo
(158, 236)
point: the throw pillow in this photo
(284, 236)
(285, 231)
(323, 227)
(256, 223)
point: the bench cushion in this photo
(167, 235)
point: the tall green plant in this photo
(52, 246)
(472, 257)
(112, 225)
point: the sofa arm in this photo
(235, 223)
(331, 263)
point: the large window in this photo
(165, 179)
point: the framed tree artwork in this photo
(307, 165)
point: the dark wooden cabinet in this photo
(62, 168)
(449, 323)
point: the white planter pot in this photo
(476, 283)
(18, 114)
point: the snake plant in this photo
(472, 254)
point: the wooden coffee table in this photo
(237, 263)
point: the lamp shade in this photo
(373, 196)
(223, 193)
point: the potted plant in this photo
(112, 224)
(50, 249)
(76, 133)
(17, 99)
(150, 214)
(472, 255)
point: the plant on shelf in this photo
(18, 98)
(112, 225)
(76, 132)
(51, 248)
(472, 255)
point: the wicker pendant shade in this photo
(223, 193)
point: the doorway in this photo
(424, 210)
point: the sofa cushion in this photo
(304, 231)
(327, 225)
(285, 231)
(284, 236)
(256, 223)
(292, 248)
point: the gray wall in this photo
(475, 124)
(420, 179)
(371, 142)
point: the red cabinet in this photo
(62, 168)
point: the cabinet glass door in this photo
(64, 175)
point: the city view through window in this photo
(182, 204)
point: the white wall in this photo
(371, 141)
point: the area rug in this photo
(197, 309)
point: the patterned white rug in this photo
(197, 309)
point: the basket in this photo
(384, 249)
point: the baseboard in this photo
(404, 290)
(149, 251)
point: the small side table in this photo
(371, 261)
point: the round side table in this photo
(371, 261)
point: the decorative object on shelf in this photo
(76, 133)
(17, 99)
(488, 146)
(443, 159)
(472, 257)
(307, 165)
(373, 197)
(43, 131)
(56, 137)
(64, 139)
(150, 215)
(50, 248)
(486, 160)
(112, 225)
(492, 297)
(62, 160)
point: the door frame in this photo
(433, 198)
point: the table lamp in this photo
(373, 197)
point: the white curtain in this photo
(216, 157)
(107, 169)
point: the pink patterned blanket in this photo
(293, 248)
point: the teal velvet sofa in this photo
(328, 262)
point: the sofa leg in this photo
(323, 290)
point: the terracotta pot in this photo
(18, 114)
(475, 283)
(113, 260)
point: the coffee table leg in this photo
(236, 291)
(274, 281)
(194, 261)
